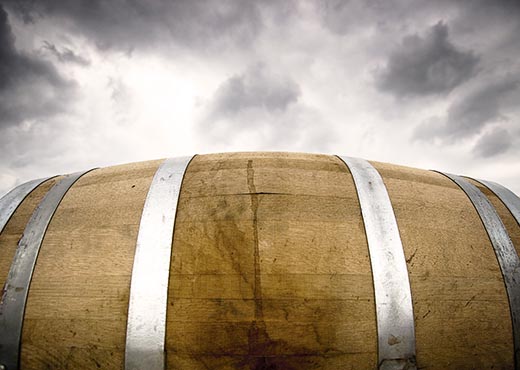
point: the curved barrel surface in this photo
(10, 201)
(270, 268)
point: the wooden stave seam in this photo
(272, 166)
(95, 344)
(34, 214)
(514, 309)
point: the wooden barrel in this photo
(270, 268)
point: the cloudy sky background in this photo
(434, 85)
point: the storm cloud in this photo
(263, 105)
(256, 99)
(120, 81)
(30, 88)
(145, 24)
(497, 141)
(257, 88)
(426, 65)
(65, 54)
(488, 103)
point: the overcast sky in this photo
(429, 84)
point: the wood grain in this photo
(462, 317)
(14, 228)
(512, 226)
(78, 299)
(269, 270)
(270, 267)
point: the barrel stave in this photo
(270, 268)
(462, 317)
(80, 286)
(263, 289)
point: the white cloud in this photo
(152, 88)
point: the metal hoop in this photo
(393, 297)
(146, 326)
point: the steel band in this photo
(393, 297)
(504, 250)
(12, 304)
(10, 202)
(146, 326)
(510, 200)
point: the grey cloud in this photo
(126, 25)
(470, 113)
(259, 97)
(122, 99)
(258, 88)
(263, 104)
(30, 88)
(346, 16)
(341, 16)
(475, 13)
(66, 55)
(119, 91)
(495, 142)
(426, 65)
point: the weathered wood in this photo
(512, 227)
(461, 308)
(14, 228)
(270, 254)
(270, 269)
(80, 286)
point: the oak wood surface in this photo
(461, 309)
(269, 270)
(14, 228)
(269, 256)
(78, 299)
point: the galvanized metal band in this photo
(504, 250)
(10, 202)
(393, 297)
(146, 326)
(14, 297)
(510, 200)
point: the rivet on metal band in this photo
(510, 200)
(10, 202)
(393, 297)
(146, 326)
(14, 297)
(504, 250)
